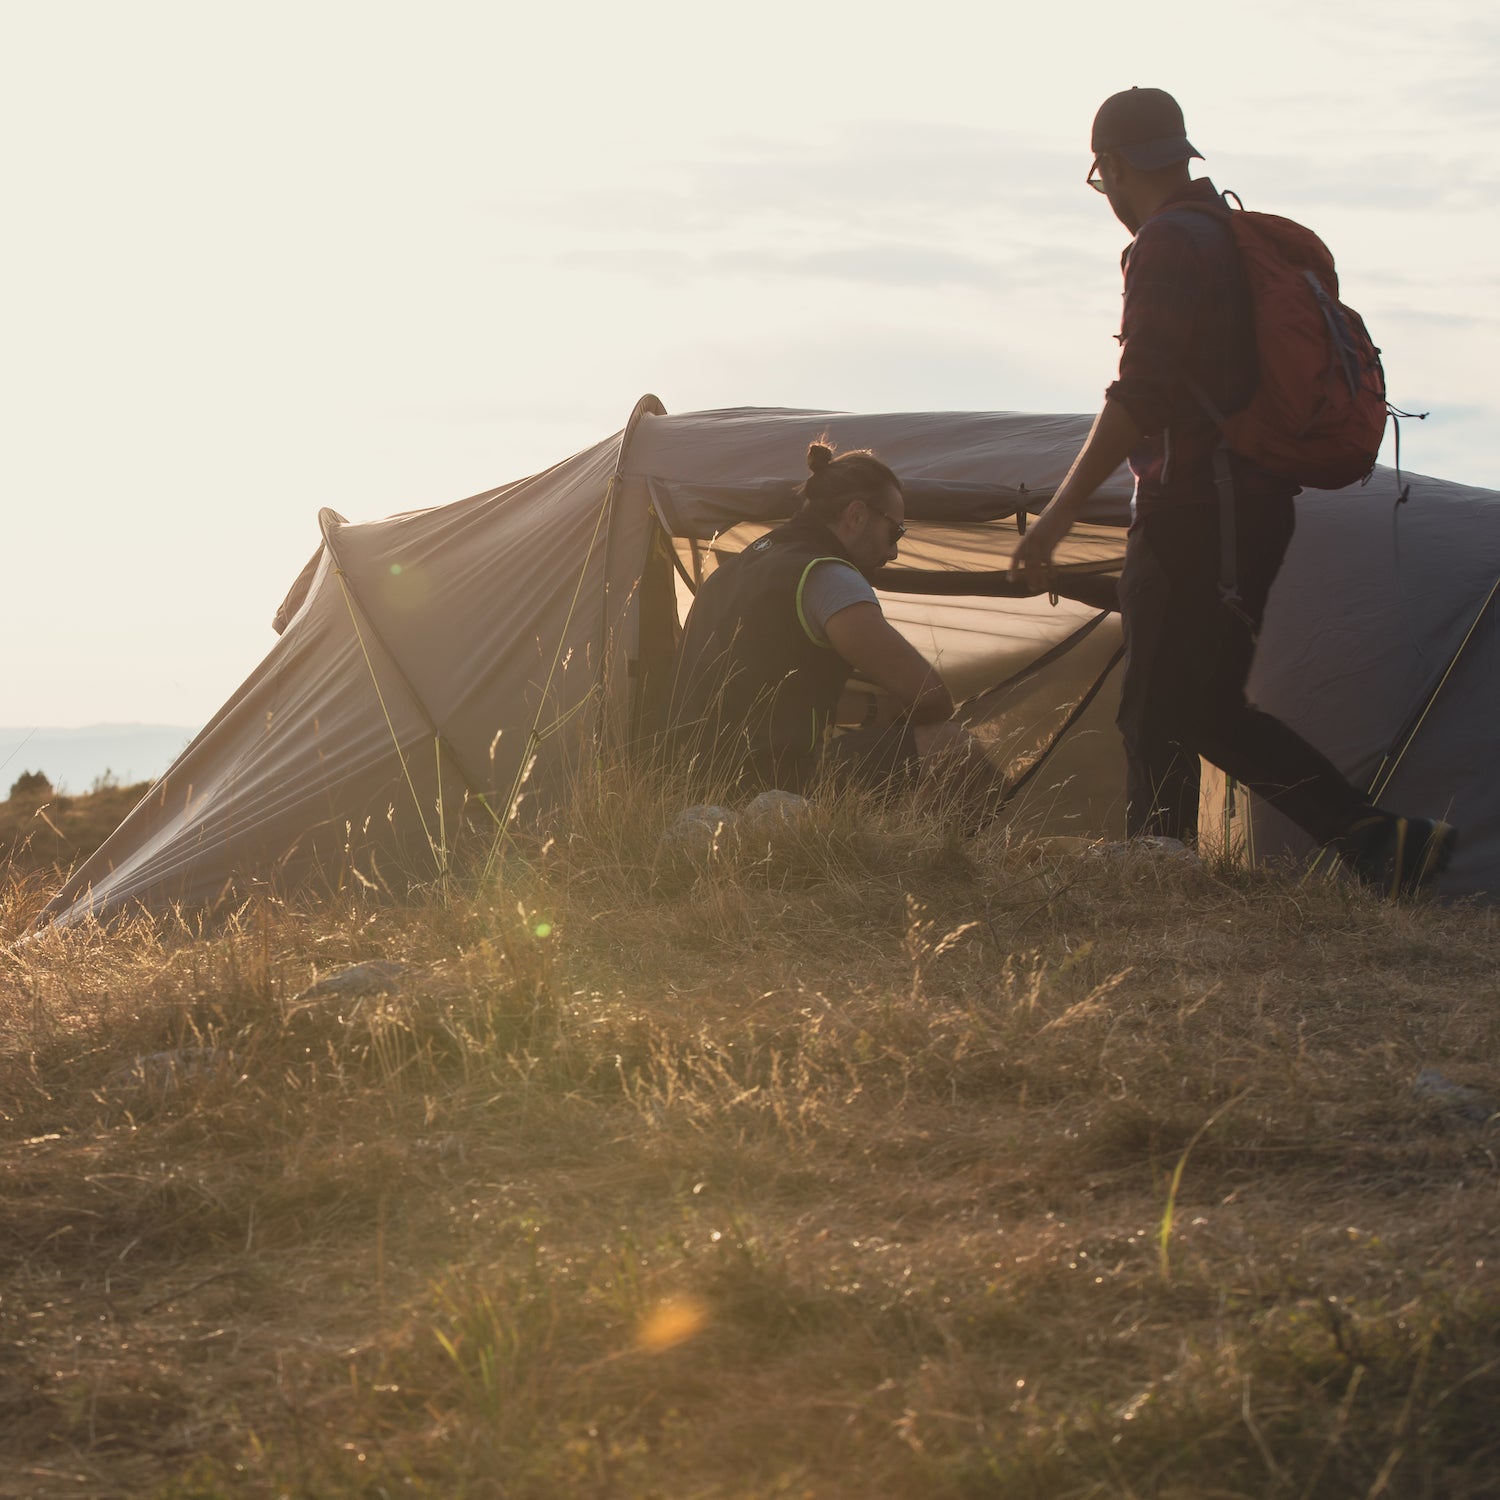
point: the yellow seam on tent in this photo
(437, 765)
(533, 738)
(380, 698)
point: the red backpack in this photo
(1319, 408)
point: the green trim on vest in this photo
(802, 584)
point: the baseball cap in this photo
(1145, 126)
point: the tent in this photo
(441, 666)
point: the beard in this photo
(1123, 211)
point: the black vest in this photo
(752, 691)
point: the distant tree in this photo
(105, 781)
(30, 786)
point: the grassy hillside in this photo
(852, 1162)
(46, 833)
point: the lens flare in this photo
(671, 1323)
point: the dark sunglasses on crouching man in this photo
(898, 528)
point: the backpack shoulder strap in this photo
(1229, 593)
(1198, 206)
(1220, 213)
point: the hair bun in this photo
(819, 456)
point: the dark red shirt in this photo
(1187, 314)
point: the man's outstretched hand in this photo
(1031, 561)
(1110, 440)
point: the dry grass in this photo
(857, 1162)
(46, 833)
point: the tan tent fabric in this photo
(428, 660)
(419, 640)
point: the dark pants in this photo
(1187, 657)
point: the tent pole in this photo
(358, 613)
(647, 406)
(1390, 762)
(536, 734)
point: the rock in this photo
(1151, 846)
(772, 810)
(377, 977)
(699, 833)
(1457, 1097)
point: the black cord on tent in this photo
(1032, 668)
(682, 572)
(1076, 713)
(1403, 492)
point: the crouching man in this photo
(776, 632)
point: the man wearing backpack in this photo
(1210, 525)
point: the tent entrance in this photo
(1030, 672)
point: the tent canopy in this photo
(448, 659)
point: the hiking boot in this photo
(1397, 856)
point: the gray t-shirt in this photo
(831, 586)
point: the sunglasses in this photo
(898, 528)
(1094, 179)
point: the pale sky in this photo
(265, 258)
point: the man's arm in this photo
(1109, 443)
(863, 636)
